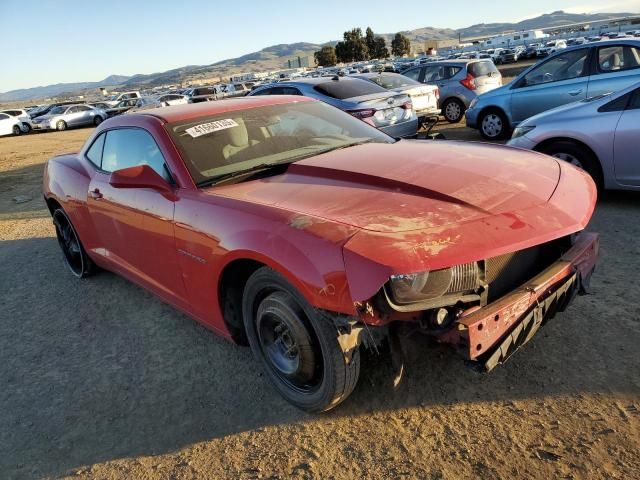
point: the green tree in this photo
(325, 56)
(379, 49)
(400, 45)
(370, 41)
(353, 47)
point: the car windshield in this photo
(393, 81)
(220, 145)
(57, 110)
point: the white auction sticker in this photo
(211, 127)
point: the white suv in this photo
(22, 116)
(551, 47)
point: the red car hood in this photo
(409, 185)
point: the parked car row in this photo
(572, 74)
(459, 83)
(580, 105)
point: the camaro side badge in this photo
(192, 256)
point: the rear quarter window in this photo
(480, 69)
(341, 89)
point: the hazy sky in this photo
(46, 42)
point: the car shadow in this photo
(99, 369)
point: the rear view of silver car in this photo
(459, 82)
(423, 97)
(388, 111)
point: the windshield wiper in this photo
(255, 169)
(268, 166)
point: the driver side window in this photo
(130, 147)
(563, 67)
(413, 74)
(433, 74)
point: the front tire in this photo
(97, 120)
(61, 125)
(16, 130)
(297, 346)
(493, 125)
(453, 110)
(578, 156)
(75, 256)
(27, 127)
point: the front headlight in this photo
(416, 287)
(520, 131)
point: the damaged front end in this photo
(486, 310)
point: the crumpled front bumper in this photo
(489, 336)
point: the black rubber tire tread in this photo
(584, 155)
(89, 268)
(339, 377)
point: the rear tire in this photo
(578, 156)
(493, 125)
(75, 256)
(297, 346)
(97, 120)
(61, 125)
(453, 110)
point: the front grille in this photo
(507, 272)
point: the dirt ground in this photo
(99, 379)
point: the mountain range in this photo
(273, 57)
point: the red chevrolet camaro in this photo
(288, 224)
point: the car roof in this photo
(606, 41)
(317, 80)
(192, 111)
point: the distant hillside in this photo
(59, 88)
(272, 57)
(547, 20)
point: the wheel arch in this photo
(231, 285)
(549, 141)
(52, 204)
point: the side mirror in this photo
(140, 176)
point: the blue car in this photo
(572, 74)
(386, 110)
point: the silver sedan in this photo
(66, 116)
(599, 135)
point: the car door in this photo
(135, 225)
(6, 124)
(626, 154)
(556, 81)
(614, 68)
(85, 115)
(73, 116)
(442, 77)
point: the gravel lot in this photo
(100, 379)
